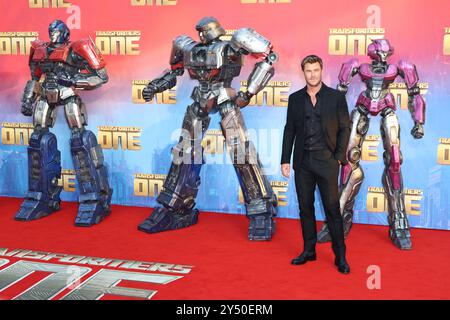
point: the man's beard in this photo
(315, 84)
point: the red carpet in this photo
(228, 266)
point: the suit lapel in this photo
(323, 105)
(324, 112)
(302, 105)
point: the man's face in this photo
(313, 74)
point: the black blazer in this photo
(334, 119)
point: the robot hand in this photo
(27, 108)
(342, 88)
(417, 131)
(149, 92)
(242, 99)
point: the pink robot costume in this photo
(376, 99)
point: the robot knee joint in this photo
(354, 155)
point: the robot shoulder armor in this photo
(36, 44)
(86, 49)
(250, 41)
(408, 71)
(182, 42)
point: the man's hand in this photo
(286, 170)
(243, 99)
(149, 92)
(417, 131)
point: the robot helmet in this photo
(380, 50)
(209, 29)
(58, 32)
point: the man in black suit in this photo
(318, 124)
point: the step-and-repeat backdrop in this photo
(135, 37)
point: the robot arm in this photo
(248, 41)
(348, 70)
(168, 79)
(416, 103)
(28, 98)
(91, 80)
(29, 95)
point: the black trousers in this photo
(319, 168)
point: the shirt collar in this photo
(321, 92)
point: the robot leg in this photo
(260, 201)
(44, 167)
(180, 188)
(352, 174)
(91, 172)
(393, 183)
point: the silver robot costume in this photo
(214, 63)
(374, 100)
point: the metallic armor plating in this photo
(214, 63)
(58, 69)
(373, 101)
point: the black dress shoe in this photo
(304, 257)
(342, 265)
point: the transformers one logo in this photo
(443, 152)
(127, 137)
(153, 2)
(275, 94)
(118, 42)
(352, 41)
(213, 142)
(17, 43)
(446, 45)
(377, 202)
(279, 189)
(369, 150)
(166, 97)
(49, 4)
(67, 180)
(148, 185)
(400, 92)
(56, 276)
(16, 133)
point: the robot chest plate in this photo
(203, 74)
(45, 54)
(378, 80)
(207, 57)
(368, 73)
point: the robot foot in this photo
(261, 227)
(164, 219)
(32, 209)
(92, 212)
(401, 238)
